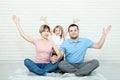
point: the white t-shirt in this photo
(58, 41)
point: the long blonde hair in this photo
(62, 31)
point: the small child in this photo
(58, 34)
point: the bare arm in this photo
(57, 57)
(44, 19)
(16, 20)
(100, 43)
(75, 20)
(59, 54)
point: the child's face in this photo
(58, 32)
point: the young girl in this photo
(58, 34)
(43, 62)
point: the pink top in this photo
(43, 51)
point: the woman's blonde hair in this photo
(43, 27)
(62, 31)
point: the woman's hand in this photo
(16, 19)
(54, 59)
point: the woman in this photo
(43, 62)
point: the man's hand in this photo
(54, 59)
(100, 43)
(106, 31)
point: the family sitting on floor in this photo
(73, 50)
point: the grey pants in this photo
(82, 69)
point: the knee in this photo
(27, 61)
(60, 65)
(95, 62)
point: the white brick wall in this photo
(93, 14)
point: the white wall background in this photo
(93, 15)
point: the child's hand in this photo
(76, 20)
(54, 59)
(43, 18)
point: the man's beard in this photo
(74, 37)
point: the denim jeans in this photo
(40, 68)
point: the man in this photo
(75, 49)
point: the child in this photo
(58, 34)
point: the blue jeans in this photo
(40, 68)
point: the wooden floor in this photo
(111, 69)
